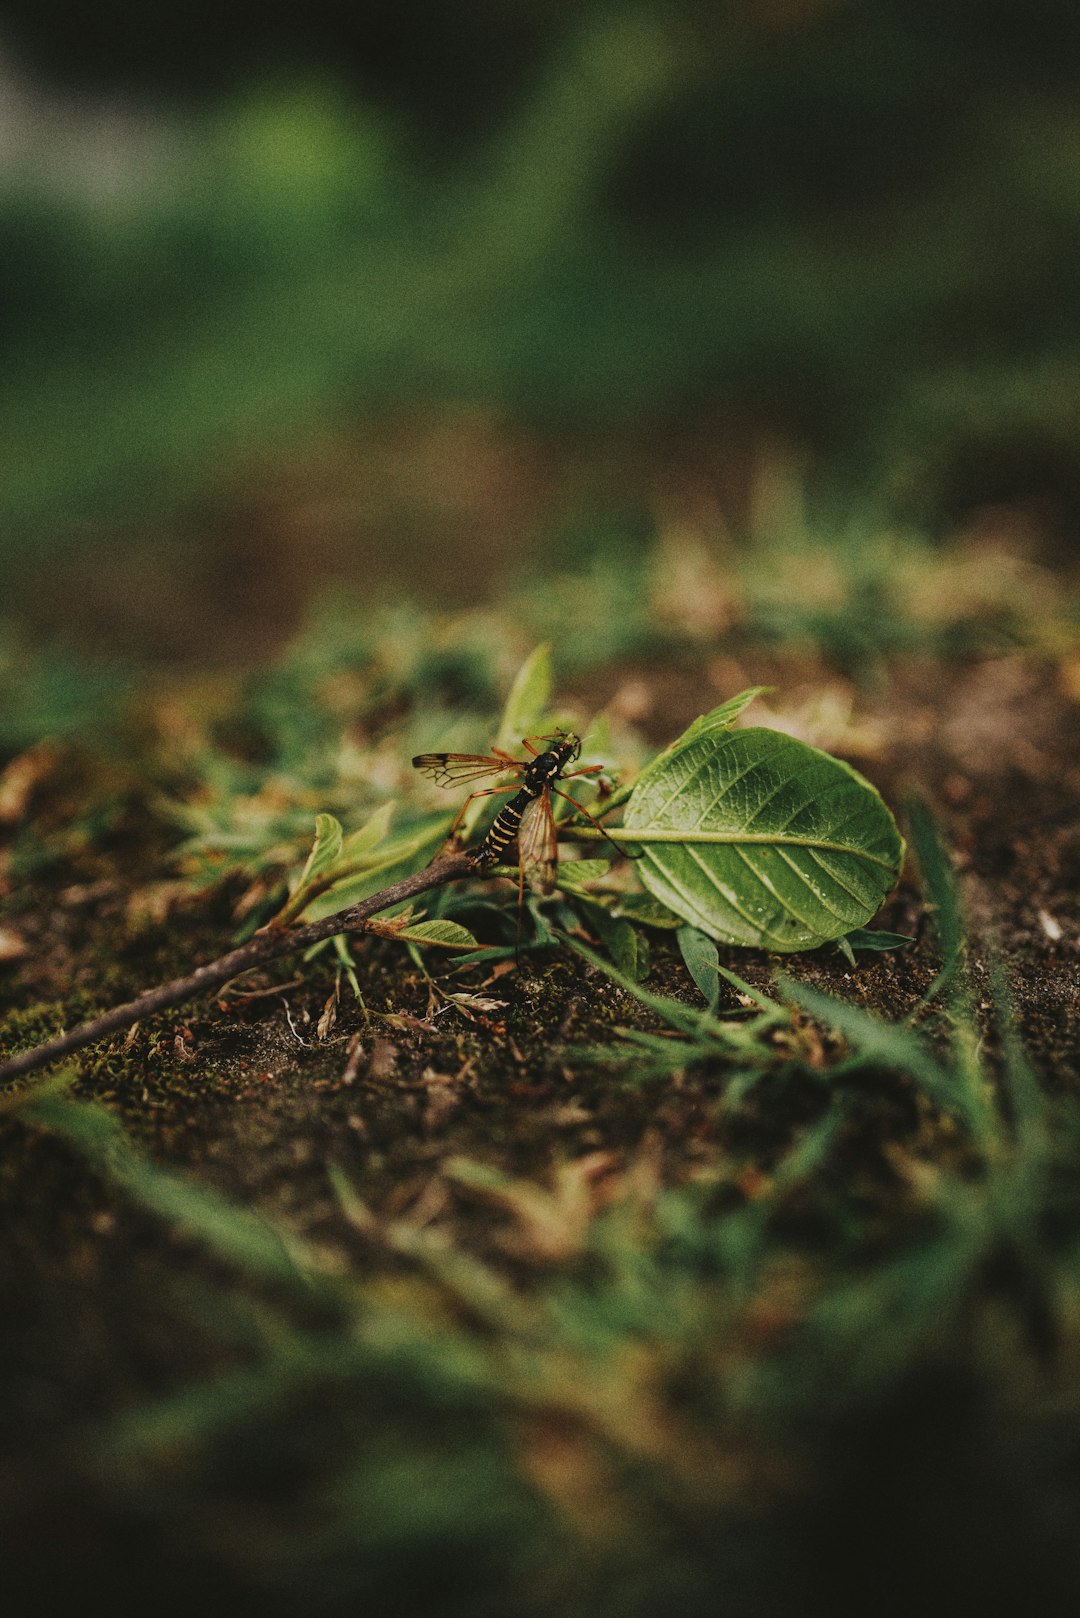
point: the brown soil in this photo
(254, 1102)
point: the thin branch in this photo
(265, 946)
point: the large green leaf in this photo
(761, 840)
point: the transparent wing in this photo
(538, 848)
(448, 769)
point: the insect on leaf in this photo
(760, 840)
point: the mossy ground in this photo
(464, 1497)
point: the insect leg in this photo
(483, 792)
(548, 736)
(580, 807)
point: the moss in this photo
(609, 1202)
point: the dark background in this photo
(409, 291)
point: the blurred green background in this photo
(412, 297)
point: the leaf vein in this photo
(769, 796)
(722, 889)
(816, 799)
(688, 896)
(740, 775)
(838, 915)
(782, 899)
(840, 883)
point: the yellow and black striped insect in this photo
(528, 815)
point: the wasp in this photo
(528, 816)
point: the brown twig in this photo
(265, 946)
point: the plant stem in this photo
(265, 946)
(627, 834)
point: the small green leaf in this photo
(398, 857)
(530, 694)
(345, 962)
(492, 953)
(370, 834)
(325, 851)
(574, 874)
(866, 938)
(439, 934)
(759, 840)
(702, 962)
(325, 854)
(627, 947)
(542, 934)
(647, 911)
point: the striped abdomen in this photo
(504, 828)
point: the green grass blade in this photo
(894, 1046)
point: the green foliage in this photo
(324, 864)
(529, 700)
(752, 837)
(575, 875)
(759, 839)
(702, 864)
(52, 693)
(626, 944)
(437, 934)
(385, 863)
(702, 961)
(864, 938)
(647, 911)
(642, 228)
(342, 870)
(939, 881)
